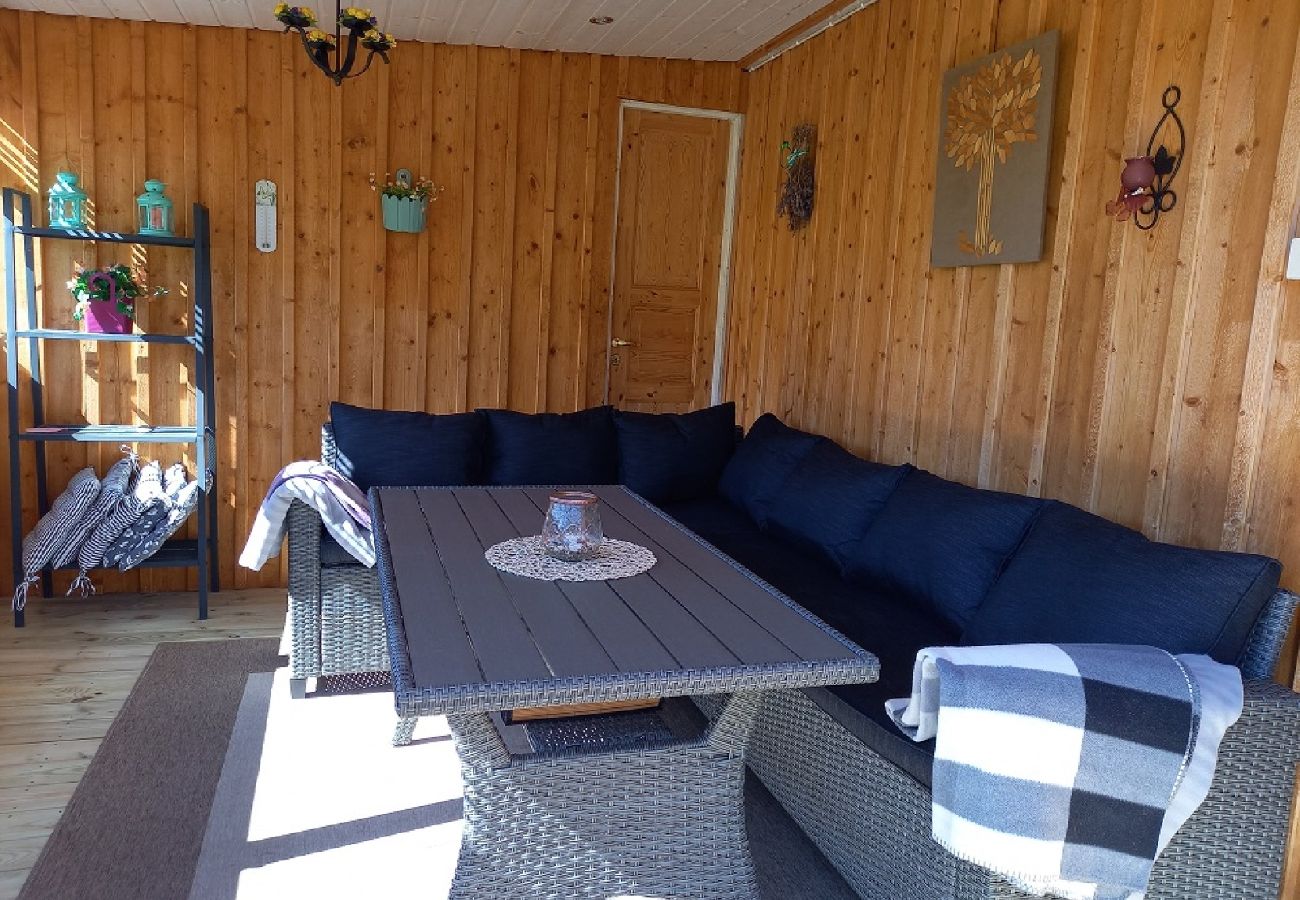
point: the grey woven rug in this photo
(214, 784)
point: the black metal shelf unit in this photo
(178, 553)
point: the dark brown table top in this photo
(466, 637)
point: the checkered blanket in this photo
(1067, 768)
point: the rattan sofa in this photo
(872, 819)
(336, 615)
(864, 803)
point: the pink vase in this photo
(103, 317)
(1139, 173)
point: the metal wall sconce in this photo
(1145, 190)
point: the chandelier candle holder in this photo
(336, 54)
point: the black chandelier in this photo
(326, 50)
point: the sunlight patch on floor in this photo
(329, 759)
(388, 866)
(315, 801)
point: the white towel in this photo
(341, 504)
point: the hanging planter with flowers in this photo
(405, 201)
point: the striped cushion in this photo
(146, 487)
(115, 484)
(51, 532)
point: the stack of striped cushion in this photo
(52, 532)
(118, 522)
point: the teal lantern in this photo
(67, 202)
(155, 209)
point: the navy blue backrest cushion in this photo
(763, 461)
(379, 447)
(1079, 578)
(551, 448)
(670, 456)
(941, 543)
(830, 499)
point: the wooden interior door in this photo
(668, 251)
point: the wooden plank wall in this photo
(1150, 377)
(502, 301)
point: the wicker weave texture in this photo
(641, 822)
(873, 821)
(304, 591)
(336, 615)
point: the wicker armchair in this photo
(336, 615)
(872, 820)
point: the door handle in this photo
(619, 342)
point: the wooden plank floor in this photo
(65, 676)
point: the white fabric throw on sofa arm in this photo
(341, 504)
(1067, 768)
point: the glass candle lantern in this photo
(67, 202)
(155, 209)
(572, 529)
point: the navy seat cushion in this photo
(713, 518)
(551, 448)
(1079, 578)
(829, 501)
(764, 460)
(669, 456)
(941, 543)
(332, 554)
(889, 626)
(379, 447)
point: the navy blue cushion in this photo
(891, 627)
(763, 461)
(942, 543)
(712, 518)
(380, 447)
(829, 501)
(668, 456)
(332, 554)
(551, 448)
(1079, 578)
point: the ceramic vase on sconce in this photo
(1135, 187)
(1146, 183)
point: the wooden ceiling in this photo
(679, 29)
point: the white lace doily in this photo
(527, 557)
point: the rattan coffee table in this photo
(631, 803)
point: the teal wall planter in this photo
(404, 213)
